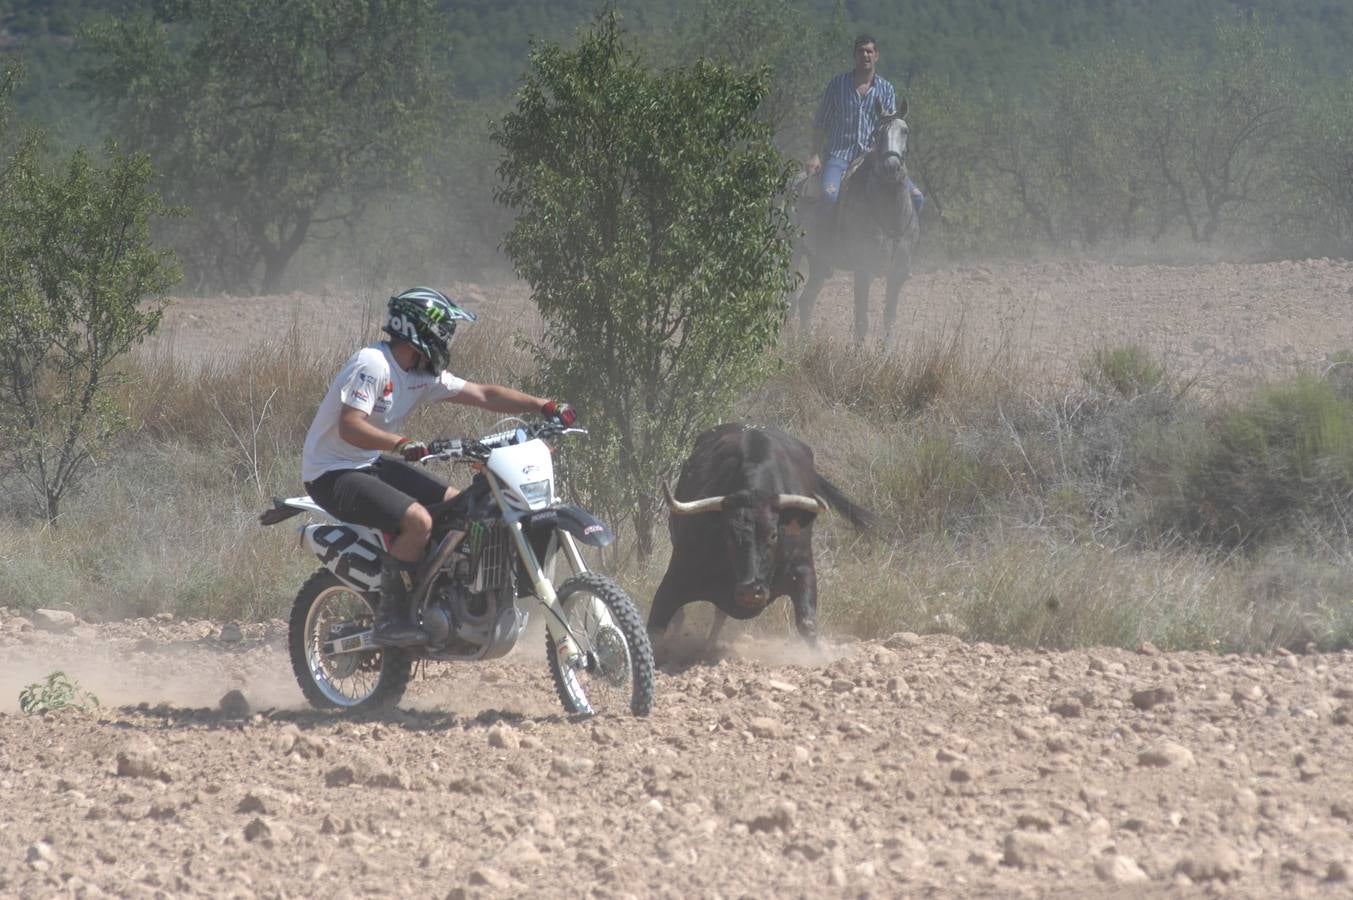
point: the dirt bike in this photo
(492, 551)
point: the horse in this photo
(876, 229)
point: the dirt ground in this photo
(1222, 324)
(914, 766)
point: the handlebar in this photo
(479, 448)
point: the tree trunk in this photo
(643, 531)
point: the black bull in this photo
(742, 527)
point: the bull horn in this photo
(799, 501)
(693, 508)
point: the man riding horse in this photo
(843, 128)
(859, 113)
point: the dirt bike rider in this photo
(347, 464)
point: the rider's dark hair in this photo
(863, 39)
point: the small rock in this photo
(54, 619)
(781, 818)
(1166, 754)
(490, 878)
(503, 737)
(268, 833)
(41, 851)
(261, 801)
(1026, 849)
(1153, 696)
(340, 776)
(1120, 870)
(234, 705)
(230, 633)
(141, 759)
(765, 727)
(1217, 861)
(1146, 648)
(1069, 708)
(573, 765)
(902, 640)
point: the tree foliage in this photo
(647, 228)
(80, 283)
(271, 120)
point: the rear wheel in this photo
(327, 610)
(617, 660)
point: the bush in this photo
(1282, 459)
(1127, 371)
(54, 694)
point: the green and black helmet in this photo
(426, 318)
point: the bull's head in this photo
(753, 524)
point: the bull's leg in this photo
(666, 603)
(720, 619)
(804, 596)
(863, 280)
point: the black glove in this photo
(411, 450)
(560, 412)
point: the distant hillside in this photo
(1004, 44)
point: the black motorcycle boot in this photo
(394, 626)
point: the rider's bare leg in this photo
(414, 528)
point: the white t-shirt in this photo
(373, 382)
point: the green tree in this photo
(271, 120)
(80, 283)
(1219, 125)
(647, 228)
(801, 48)
(1321, 164)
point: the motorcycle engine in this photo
(458, 613)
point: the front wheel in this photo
(326, 611)
(616, 666)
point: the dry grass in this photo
(1012, 514)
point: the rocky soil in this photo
(915, 766)
(1218, 325)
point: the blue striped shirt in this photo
(848, 117)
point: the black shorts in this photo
(378, 495)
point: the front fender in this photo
(584, 526)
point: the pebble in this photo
(1148, 698)
(234, 705)
(1165, 755)
(1216, 861)
(765, 727)
(503, 737)
(1120, 869)
(54, 619)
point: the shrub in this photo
(1282, 458)
(1127, 371)
(54, 694)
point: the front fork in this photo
(566, 645)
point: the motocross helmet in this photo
(426, 318)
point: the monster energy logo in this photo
(476, 537)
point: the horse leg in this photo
(817, 276)
(894, 294)
(863, 280)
